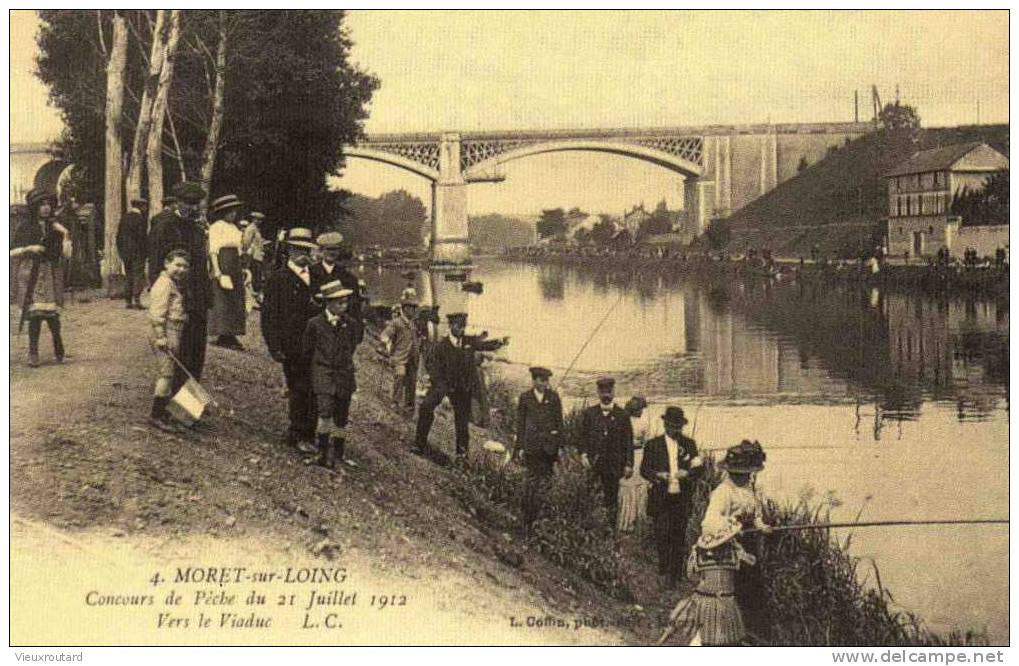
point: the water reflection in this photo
(738, 341)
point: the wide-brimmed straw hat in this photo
(225, 203)
(744, 458)
(334, 289)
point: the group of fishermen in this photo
(669, 464)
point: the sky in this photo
(481, 70)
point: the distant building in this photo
(920, 192)
(634, 218)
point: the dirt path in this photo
(94, 489)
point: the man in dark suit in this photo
(672, 467)
(132, 246)
(334, 254)
(605, 439)
(286, 309)
(181, 227)
(539, 424)
(452, 368)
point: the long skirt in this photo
(711, 610)
(228, 315)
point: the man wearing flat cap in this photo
(452, 367)
(605, 439)
(672, 467)
(539, 429)
(132, 246)
(403, 347)
(286, 308)
(334, 254)
(181, 227)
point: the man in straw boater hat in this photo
(227, 315)
(605, 438)
(132, 246)
(672, 466)
(182, 228)
(539, 431)
(452, 369)
(286, 308)
(403, 347)
(330, 340)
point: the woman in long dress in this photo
(711, 614)
(227, 318)
(39, 244)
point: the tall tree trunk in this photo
(113, 197)
(154, 150)
(216, 123)
(141, 132)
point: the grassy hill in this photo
(837, 202)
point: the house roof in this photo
(934, 159)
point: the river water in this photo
(894, 405)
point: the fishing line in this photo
(589, 338)
(881, 523)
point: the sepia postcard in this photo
(510, 328)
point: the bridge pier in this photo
(449, 244)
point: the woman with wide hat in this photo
(38, 245)
(227, 316)
(711, 614)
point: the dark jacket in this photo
(539, 424)
(656, 459)
(330, 348)
(132, 237)
(286, 309)
(607, 441)
(171, 232)
(454, 369)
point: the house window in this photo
(935, 179)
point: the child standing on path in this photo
(330, 340)
(167, 314)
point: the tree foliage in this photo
(292, 100)
(552, 223)
(898, 116)
(395, 219)
(988, 205)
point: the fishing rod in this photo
(880, 523)
(589, 338)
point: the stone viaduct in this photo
(720, 167)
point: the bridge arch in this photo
(392, 159)
(661, 158)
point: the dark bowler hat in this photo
(225, 203)
(301, 237)
(334, 289)
(674, 415)
(38, 195)
(330, 239)
(139, 202)
(188, 192)
(606, 383)
(169, 200)
(744, 458)
(457, 317)
(538, 372)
